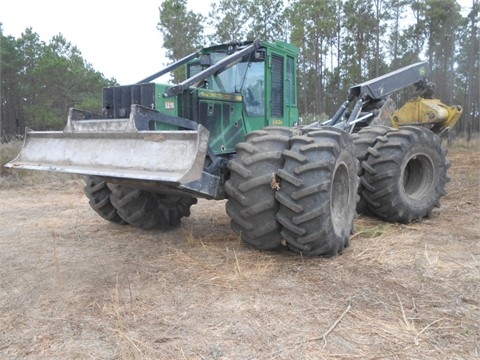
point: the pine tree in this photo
(230, 19)
(267, 22)
(182, 31)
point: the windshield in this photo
(236, 77)
(244, 78)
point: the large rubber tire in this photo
(318, 194)
(149, 210)
(251, 198)
(363, 140)
(405, 175)
(98, 193)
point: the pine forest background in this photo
(342, 42)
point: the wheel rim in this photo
(418, 177)
(340, 197)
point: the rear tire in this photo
(318, 194)
(251, 198)
(363, 140)
(405, 175)
(98, 193)
(149, 210)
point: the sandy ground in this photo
(73, 286)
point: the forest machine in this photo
(231, 131)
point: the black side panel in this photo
(118, 100)
(147, 95)
(108, 103)
(186, 103)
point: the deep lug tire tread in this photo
(413, 158)
(251, 203)
(364, 142)
(149, 210)
(98, 193)
(309, 224)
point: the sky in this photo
(119, 38)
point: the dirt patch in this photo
(75, 286)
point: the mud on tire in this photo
(405, 175)
(251, 201)
(98, 193)
(318, 192)
(149, 210)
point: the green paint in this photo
(259, 91)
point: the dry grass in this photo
(74, 286)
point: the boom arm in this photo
(383, 86)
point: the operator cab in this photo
(265, 80)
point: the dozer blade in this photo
(115, 148)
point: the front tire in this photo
(149, 210)
(251, 200)
(405, 175)
(318, 194)
(98, 193)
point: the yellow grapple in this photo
(427, 112)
